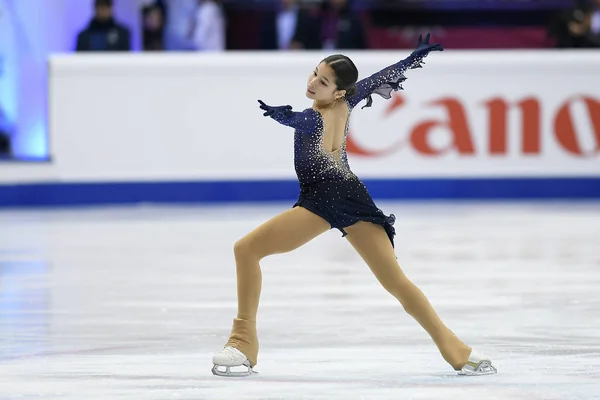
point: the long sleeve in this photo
(306, 121)
(388, 79)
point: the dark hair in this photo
(346, 73)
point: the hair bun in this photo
(351, 91)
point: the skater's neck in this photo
(325, 104)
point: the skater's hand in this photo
(273, 111)
(425, 46)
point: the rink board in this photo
(187, 128)
(262, 191)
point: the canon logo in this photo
(565, 130)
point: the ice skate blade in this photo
(231, 374)
(484, 367)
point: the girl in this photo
(331, 196)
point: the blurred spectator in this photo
(279, 27)
(291, 27)
(595, 20)
(5, 149)
(154, 26)
(343, 28)
(208, 30)
(103, 33)
(178, 22)
(573, 28)
(4, 144)
(308, 29)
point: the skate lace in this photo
(232, 353)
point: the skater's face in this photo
(322, 84)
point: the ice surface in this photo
(131, 303)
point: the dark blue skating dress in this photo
(328, 187)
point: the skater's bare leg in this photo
(373, 245)
(281, 234)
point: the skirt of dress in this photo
(344, 203)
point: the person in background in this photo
(5, 133)
(308, 34)
(154, 26)
(279, 26)
(343, 28)
(595, 18)
(208, 30)
(573, 28)
(103, 33)
(290, 28)
(177, 25)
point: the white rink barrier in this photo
(187, 127)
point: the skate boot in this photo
(477, 365)
(229, 358)
(240, 352)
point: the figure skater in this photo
(331, 196)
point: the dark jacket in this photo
(104, 36)
(350, 32)
(308, 31)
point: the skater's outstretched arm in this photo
(390, 78)
(305, 121)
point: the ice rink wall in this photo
(187, 128)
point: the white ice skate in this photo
(478, 365)
(228, 358)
